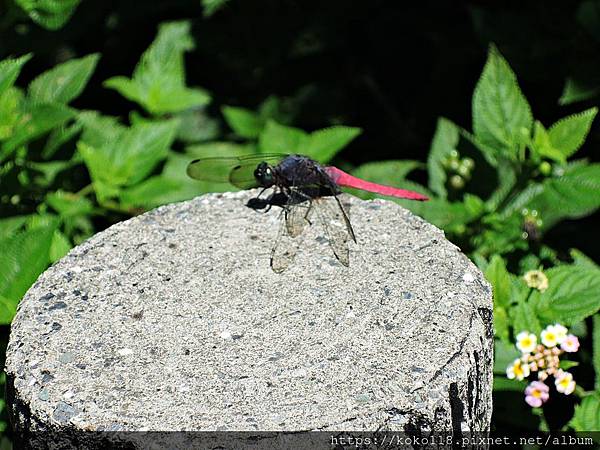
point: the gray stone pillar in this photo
(173, 320)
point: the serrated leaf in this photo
(444, 141)
(573, 195)
(153, 192)
(22, 260)
(10, 111)
(59, 136)
(244, 122)
(64, 82)
(10, 225)
(579, 258)
(68, 204)
(596, 348)
(573, 294)
(10, 69)
(276, 138)
(212, 6)
(577, 91)
(499, 278)
(322, 145)
(568, 134)
(49, 170)
(524, 318)
(127, 156)
(50, 14)
(158, 82)
(196, 126)
(34, 121)
(543, 145)
(501, 113)
(60, 246)
(587, 414)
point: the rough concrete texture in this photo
(173, 320)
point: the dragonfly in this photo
(303, 189)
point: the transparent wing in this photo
(237, 170)
(297, 214)
(285, 248)
(336, 225)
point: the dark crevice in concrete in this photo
(457, 410)
(457, 353)
(488, 321)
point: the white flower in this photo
(536, 279)
(564, 382)
(549, 336)
(517, 370)
(561, 332)
(526, 342)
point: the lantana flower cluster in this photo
(543, 358)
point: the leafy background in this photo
(487, 108)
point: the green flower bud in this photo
(457, 182)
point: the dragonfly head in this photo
(264, 175)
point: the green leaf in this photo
(196, 126)
(504, 354)
(10, 111)
(321, 145)
(499, 278)
(158, 82)
(10, 70)
(10, 225)
(49, 170)
(212, 6)
(568, 134)
(64, 82)
(386, 172)
(501, 114)
(579, 258)
(573, 294)
(543, 145)
(573, 195)
(59, 136)
(22, 260)
(8, 309)
(127, 156)
(596, 348)
(276, 138)
(244, 122)
(68, 204)
(444, 141)
(60, 246)
(576, 91)
(50, 14)
(504, 384)
(36, 120)
(524, 318)
(565, 364)
(324, 144)
(153, 192)
(587, 414)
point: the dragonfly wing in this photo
(336, 225)
(297, 215)
(285, 248)
(237, 170)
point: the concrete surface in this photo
(173, 320)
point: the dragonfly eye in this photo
(264, 174)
